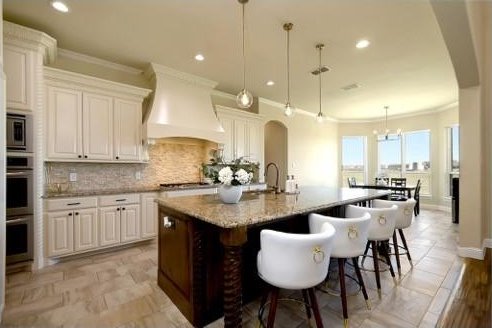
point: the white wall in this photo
(312, 155)
(2, 172)
(436, 123)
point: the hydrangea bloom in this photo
(240, 177)
(225, 175)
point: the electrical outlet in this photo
(138, 175)
(72, 177)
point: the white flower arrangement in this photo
(229, 178)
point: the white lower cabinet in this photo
(85, 229)
(75, 225)
(149, 215)
(109, 225)
(60, 233)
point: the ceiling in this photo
(406, 67)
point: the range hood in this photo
(180, 106)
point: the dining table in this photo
(408, 189)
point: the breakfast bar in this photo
(207, 249)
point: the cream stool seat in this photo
(350, 240)
(381, 228)
(294, 261)
(404, 218)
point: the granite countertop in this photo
(260, 207)
(86, 193)
(203, 186)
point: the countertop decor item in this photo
(231, 179)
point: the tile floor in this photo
(119, 289)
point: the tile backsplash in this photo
(171, 160)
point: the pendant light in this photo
(244, 98)
(387, 134)
(320, 116)
(289, 110)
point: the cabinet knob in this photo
(167, 222)
(123, 209)
(85, 156)
(117, 157)
(76, 213)
(80, 156)
(118, 209)
(70, 214)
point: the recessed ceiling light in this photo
(270, 83)
(199, 57)
(60, 6)
(362, 44)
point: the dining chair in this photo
(404, 217)
(381, 229)
(398, 194)
(416, 196)
(350, 240)
(377, 180)
(294, 261)
(351, 182)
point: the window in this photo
(453, 156)
(353, 159)
(407, 157)
(417, 159)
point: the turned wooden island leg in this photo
(233, 240)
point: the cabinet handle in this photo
(167, 222)
(71, 204)
(121, 200)
(70, 214)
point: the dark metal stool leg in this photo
(314, 305)
(365, 252)
(273, 307)
(306, 303)
(355, 261)
(397, 253)
(388, 261)
(343, 291)
(374, 247)
(404, 241)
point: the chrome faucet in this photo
(277, 188)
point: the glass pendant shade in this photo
(320, 117)
(244, 99)
(386, 134)
(289, 110)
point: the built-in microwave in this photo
(19, 132)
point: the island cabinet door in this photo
(174, 256)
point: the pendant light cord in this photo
(288, 67)
(244, 60)
(319, 76)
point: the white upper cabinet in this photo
(244, 135)
(126, 133)
(97, 115)
(18, 67)
(89, 119)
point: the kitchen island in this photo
(207, 249)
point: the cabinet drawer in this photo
(112, 200)
(70, 203)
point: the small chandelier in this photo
(244, 98)
(387, 134)
(289, 110)
(320, 116)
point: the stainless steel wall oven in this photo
(19, 208)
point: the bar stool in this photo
(349, 243)
(404, 217)
(381, 228)
(294, 261)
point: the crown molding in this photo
(298, 110)
(427, 111)
(237, 112)
(30, 38)
(65, 53)
(55, 76)
(223, 94)
(156, 69)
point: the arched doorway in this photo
(276, 152)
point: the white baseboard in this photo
(487, 243)
(436, 207)
(474, 253)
